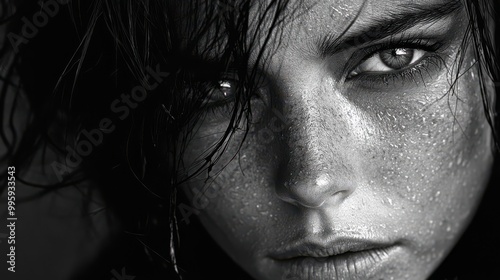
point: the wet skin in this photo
(354, 155)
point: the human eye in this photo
(389, 60)
(213, 86)
(396, 61)
(222, 92)
(232, 91)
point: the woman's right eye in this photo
(224, 90)
(221, 93)
(230, 92)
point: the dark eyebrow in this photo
(406, 17)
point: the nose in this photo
(319, 160)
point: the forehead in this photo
(295, 24)
(315, 18)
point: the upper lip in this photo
(328, 247)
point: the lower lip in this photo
(353, 265)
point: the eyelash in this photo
(220, 107)
(225, 106)
(431, 59)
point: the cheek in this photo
(236, 200)
(431, 157)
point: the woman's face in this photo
(365, 166)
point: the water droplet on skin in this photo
(459, 160)
(389, 201)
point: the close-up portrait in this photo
(249, 139)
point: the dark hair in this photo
(105, 51)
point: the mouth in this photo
(340, 258)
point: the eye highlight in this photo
(397, 62)
(389, 60)
(223, 91)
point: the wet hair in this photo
(77, 67)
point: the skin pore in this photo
(346, 153)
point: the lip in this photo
(335, 258)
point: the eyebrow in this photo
(408, 16)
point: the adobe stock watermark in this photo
(121, 108)
(226, 6)
(277, 124)
(201, 199)
(199, 202)
(122, 275)
(288, 276)
(31, 26)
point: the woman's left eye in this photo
(389, 60)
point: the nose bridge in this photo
(319, 160)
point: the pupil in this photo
(397, 58)
(225, 88)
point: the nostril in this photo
(299, 201)
(314, 190)
(306, 191)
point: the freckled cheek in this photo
(243, 212)
(423, 157)
(244, 195)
